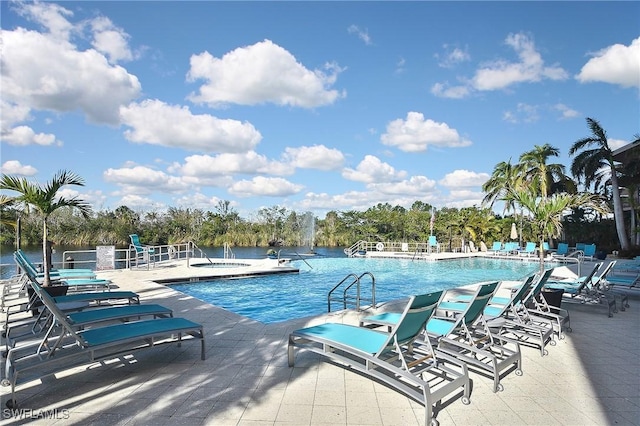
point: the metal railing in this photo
(416, 248)
(347, 299)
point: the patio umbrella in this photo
(514, 231)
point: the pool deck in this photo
(592, 377)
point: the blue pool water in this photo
(274, 298)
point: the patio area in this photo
(591, 377)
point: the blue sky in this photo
(310, 106)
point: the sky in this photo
(312, 106)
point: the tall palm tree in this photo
(593, 153)
(504, 179)
(546, 213)
(45, 200)
(537, 172)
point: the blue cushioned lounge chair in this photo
(143, 253)
(54, 272)
(534, 308)
(529, 250)
(71, 281)
(584, 289)
(433, 244)
(495, 248)
(455, 334)
(589, 252)
(462, 333)
(69, 347)
(396, 358)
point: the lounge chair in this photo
(509, 249)
(589, 252)
(563, 254)
(71, 281)
(432, 244)
(615, 286)
(502, 315)
(495, 248)
(509, 318)
(143, 253)
(71, 348)
(464, 335)
(457, 335)
(83, 318)
(68, 302)
(55, 273)
(534, 307)
(529, 250)
(472, 247)
(583, 289)
(395, 357)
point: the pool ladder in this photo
(345, 285)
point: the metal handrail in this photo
(228, 253)
(299, 257)
(202, 253)
(358, 299)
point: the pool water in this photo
(275, 298)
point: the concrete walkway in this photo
(590, 378)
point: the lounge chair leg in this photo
(290, 354)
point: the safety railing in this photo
(349, 300)
(416, 249)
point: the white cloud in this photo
(10, 115)
(416, 186)
(415, 134)
(400, 65)
(362, 34)
(565, 111)
(204, 166)
(157, 123)
(135, 201)
(453, 56)
(144, 180)
(444, 90)
(263, 186)
(261, 73)
(372, 170)
(616, 64)
(24, 135)
(46, 71)
(111, 40)
(314, 157)
(49, 15)
(464, 198)
(199, 201)
(524, 113)
(500, 74)
(15, 167)
(463, 178)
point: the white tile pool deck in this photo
(590, 378)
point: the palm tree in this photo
(504, 179)
(537, 172)
(546, 213)
(587, 163)
(45, 200)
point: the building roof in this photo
(627, 153)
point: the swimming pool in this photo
(275, 298)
